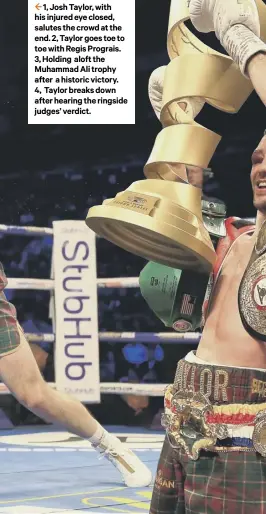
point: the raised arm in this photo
(237, 26)
(256, 70)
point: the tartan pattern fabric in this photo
(218, 482)
(168, 495)
(231, 479)
(9, 334)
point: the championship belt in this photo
(252, 290)
(176, 296)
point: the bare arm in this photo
(256, 69)
(237, 26)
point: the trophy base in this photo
(152, 239)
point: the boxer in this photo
(20, 373)
(213, 457)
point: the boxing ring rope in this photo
(116, 337)
(44, 284)
(118, 388)
(125, 337)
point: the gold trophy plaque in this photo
(159, 218)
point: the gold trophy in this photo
(160, 218)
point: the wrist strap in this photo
(242, 44)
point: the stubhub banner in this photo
(76, 313)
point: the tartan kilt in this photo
(9, 329)
(228, 476)
(218, 482)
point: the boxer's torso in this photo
(224, 339)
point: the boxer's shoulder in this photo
(236, 241)
(236, 226)
(241, 225)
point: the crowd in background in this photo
(40, 201)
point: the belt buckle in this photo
(259, 433)
(214, 225)
(186, 425)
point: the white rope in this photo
(117, 388)
(123, 337)
(120, 282)
(43, 231)
(36, 284)
(26, 231)
(135, 389)
(40, 338)
(43, 284)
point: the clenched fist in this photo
(236, 24)
(221, 15)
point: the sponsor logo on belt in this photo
(161, 481)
